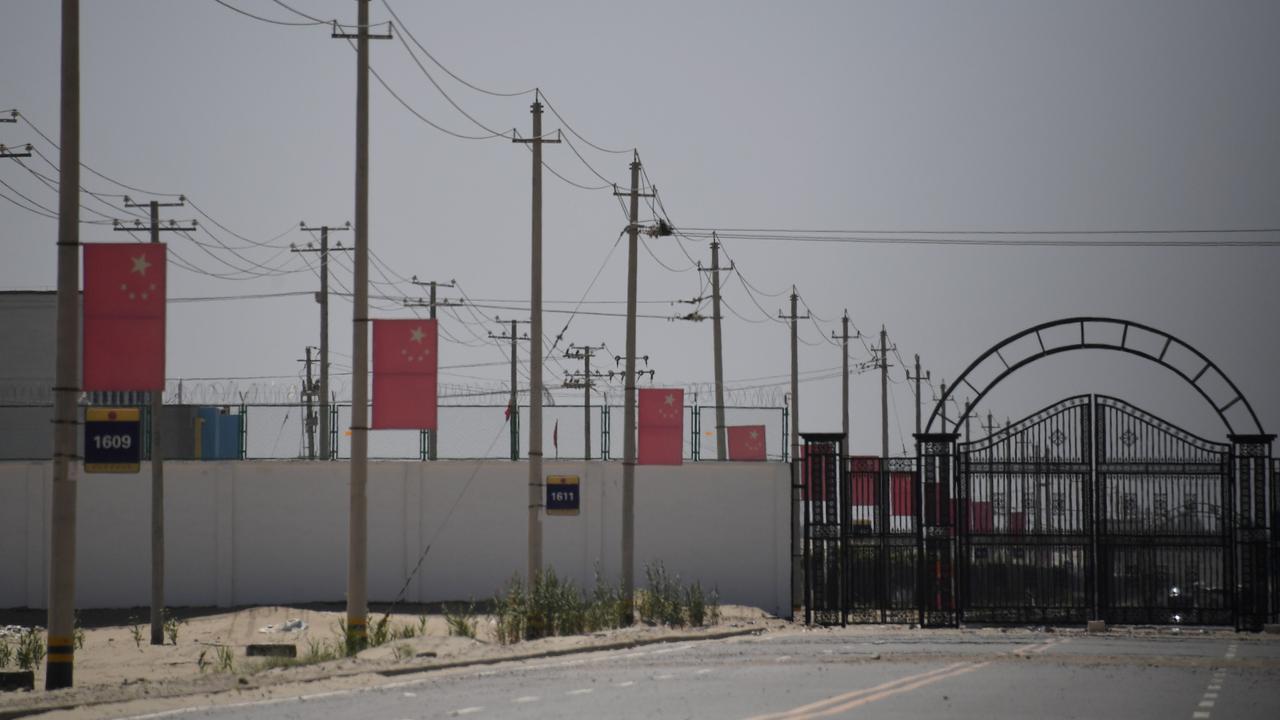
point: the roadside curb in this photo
(26, 711)
(606, 647)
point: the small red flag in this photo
(404, 374)
(124, 311)
(746, 442)
(661, 426)
(901, 501)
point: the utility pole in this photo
(323, 298)
(990, 425)
(534, 564)
(844, 384)
(629, 398)
(358, 523)
(157, 428)
(884, 398)
(717, 352)
(967, 422)
(309, 392)
(919, 398)
(584, 380)
(513, 408)
(944, 406)
(60, 661)
(432, 435)
(797, 489)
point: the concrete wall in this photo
(241, 533)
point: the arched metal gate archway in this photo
(1089, 509)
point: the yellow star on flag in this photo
(140, 265)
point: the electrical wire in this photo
(405, 29)
(578, 135)
(990, 242)
(269, 20)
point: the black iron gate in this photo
(1088, 509)
(1027, 520)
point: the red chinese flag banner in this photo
(661, 426)
(864, 471)
(901, 501)
(404, 374)
(746, 442)
(981, 517)
(124, 309)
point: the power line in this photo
(839, 239)
(405, 29)
(269, 20)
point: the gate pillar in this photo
(937, 494)
(1255, 532)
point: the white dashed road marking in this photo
(526, 699)
(468, 710)
(580, 691)
(627, 683)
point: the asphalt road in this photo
(841, 674)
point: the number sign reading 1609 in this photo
(112, 440)
(562, 495)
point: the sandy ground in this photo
(113, 668)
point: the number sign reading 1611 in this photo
(562, 495)
(112, 440)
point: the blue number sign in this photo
(562, 495)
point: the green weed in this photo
(171, 624)
(462, 622)
(226, 661)
(135, 630)
(30, 649)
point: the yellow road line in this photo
(800, 711)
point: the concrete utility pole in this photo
(323, 298)
(432, 436)
(844, 384)
(919, 398)
(884, 398)
(629, 402)
(717, 351)
(534, 563)
(584, 380)
(358, 529)
(60, 661)
(513, 407)
(944, 407)
(797, 487)
(157, 432)
(309, 392)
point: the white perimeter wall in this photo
(246, 533)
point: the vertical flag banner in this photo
(124, 312)
(864, 472)
(981, 517)
(746, 442)
(404, 374)
(661, 426)
(901, 501)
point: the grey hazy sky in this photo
(826, 115)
